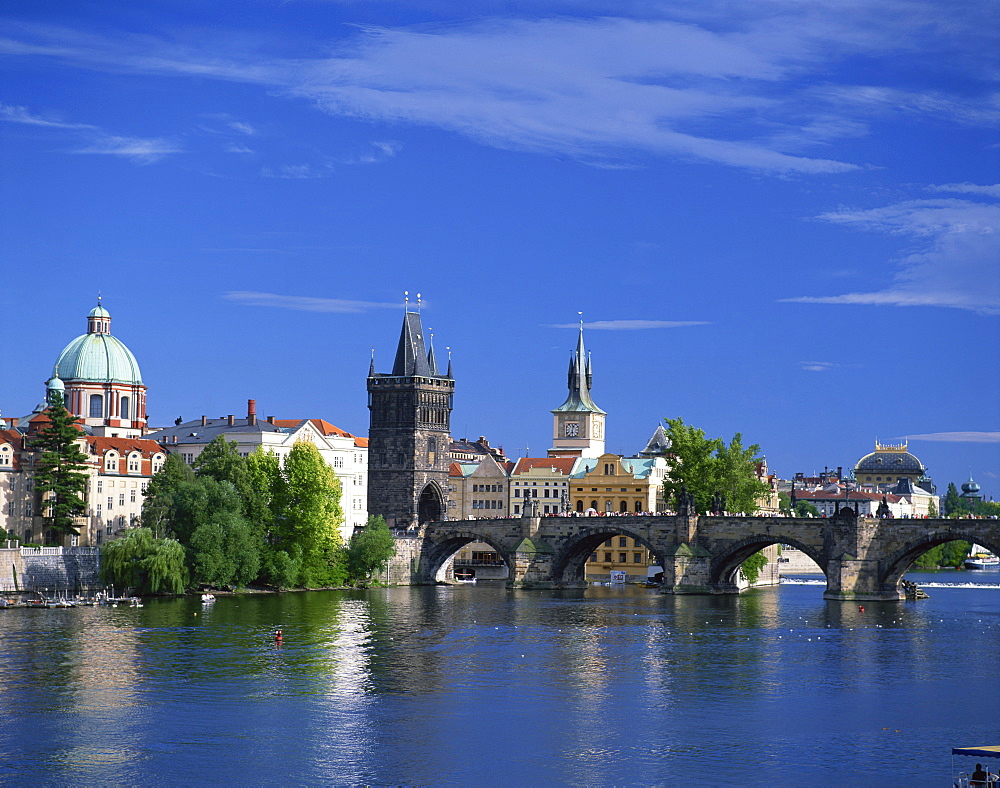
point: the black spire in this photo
(411, 355)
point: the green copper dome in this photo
(97, 356)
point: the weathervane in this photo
(406, 300)
(418, 302)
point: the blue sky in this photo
(779, 217)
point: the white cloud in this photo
(305, 303)
(818, 366)
(992, 190)
(712, 80)
(297, 171)
(632, 325)
(953, 262)
(958, 437)
(16, 114)
(142, 151)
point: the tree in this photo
(60, 477)
(751, 568)
(158, 504)
(141, 561)
(369, 550)
(953, 505)
(707, 467)
(805, 509)
(309, 516)
(224, 551)
(947, 554)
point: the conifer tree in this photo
(60, 470)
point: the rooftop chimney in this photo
(251, 411)
(175, 439)
(204, 421)
(231, 419)
(270, 419)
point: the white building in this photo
(347, 454)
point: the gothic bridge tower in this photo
(409, 434)
(578, 424)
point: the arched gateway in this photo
(863, 558)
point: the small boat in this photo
(966, 777)
(467, 578)
(981, 558)
(208, 597)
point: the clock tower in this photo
(578, 424)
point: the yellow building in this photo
(612, 484)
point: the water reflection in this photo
(440, 686)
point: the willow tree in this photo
(60, 469)
(142, 562)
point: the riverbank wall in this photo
(51, 569)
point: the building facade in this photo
(409, 434)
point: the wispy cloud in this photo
(305, 303)
(298, 171)
(958, 437)
(138, 149)
(141, 151)
(729, 83)
(17, 114)
(818, 366)
(954, 262)
(990, 190)
(632, 325)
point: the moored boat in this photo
(981, 558)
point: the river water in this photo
(484, 685)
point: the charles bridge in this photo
(862, 558)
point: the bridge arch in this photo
(436, 552)
(895, 565)
(569, 566)
(726, 564)
(431, 503)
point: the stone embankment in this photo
(69, 569)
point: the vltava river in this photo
(482, 685)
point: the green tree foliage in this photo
(225, 551)
(369, 550)
(805, 509)
(708, 466)
(144, 563)
(952, 503)
(751, 568)
(158, 504)
(60, 476)
(947, 554)
(309, 517)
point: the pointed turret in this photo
(579, 380)
(431, 358)
(411, 355)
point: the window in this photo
(638, 506)
(623, 558)
(622, 541)
(579, 506)
(593, 557)
(111, 502)
(338, 462)
(121, 499)
(637, 558)
(123, 407)
(111, 462)
(134, 463)
(607, 543)
(607, 557)
(100, 486)
(109, 526)
(132, 499)
(96, 406)
(623, 507)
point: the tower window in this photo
(96, 406)
(124, 408)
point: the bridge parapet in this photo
(862, 558)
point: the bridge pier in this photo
(855, 579)
(686, 570)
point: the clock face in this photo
(572, 429)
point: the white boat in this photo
(981, 558)
(208, 597)
(465, 579)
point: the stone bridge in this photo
(862, 558)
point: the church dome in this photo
(970, 488)
(889, 460)
(97, 356)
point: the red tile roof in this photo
(563, 465)
(320, 425)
